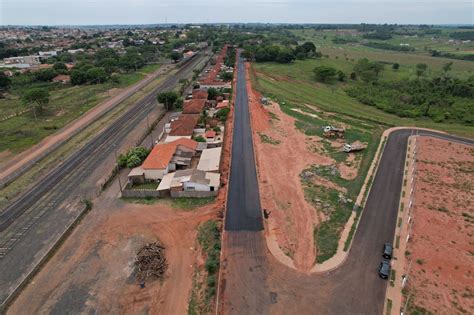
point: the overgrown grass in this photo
(205, 288)
(268, 139)
(66, 104)
(148, 186)
(191, 203)
(327, 234)
(294, 83)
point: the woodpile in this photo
(150, 263)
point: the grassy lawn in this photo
(191, 203)
(149, 186)
(150, 68)
(280, 82)
(66, 104)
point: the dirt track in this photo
(12, 166)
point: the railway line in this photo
(53, 196)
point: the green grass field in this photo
(66, 104)
(294, 83)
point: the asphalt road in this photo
(256, 283)
(35, 221)
(243, 202)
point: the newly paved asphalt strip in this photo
(258, 284)
(243, 202)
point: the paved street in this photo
(256, 283)
(243, 203)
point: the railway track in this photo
(61, 183)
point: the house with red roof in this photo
(168, 157)
(194, 106)
(184, 125)
(200, 94)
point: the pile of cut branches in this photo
(150, 263)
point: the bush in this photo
(133, 158)
(222, 114)
(199, 139)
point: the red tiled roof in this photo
(194, 106)
(210, 134)
(162, 153)
(184, 125)
(62, 77)
(200, 94)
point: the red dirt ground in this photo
(292, 218)
(95, 264)
(441, 278)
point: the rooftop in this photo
(194, 106)
(162, 153)
(184, 125)
(210, 160)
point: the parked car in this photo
(384, 269)
(387, 251)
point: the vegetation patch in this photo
(205, 281)
(268, 139)
(191, 203)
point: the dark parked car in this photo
(384, 269)
(387, 251)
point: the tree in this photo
(5, 82)
(309, 47)
(133, 157)
(285, 56)
(60, 66)
(168, 99)
(421, 69)
(212, 93)
(38, 98)
(367, 70)
(45, 75)
(324, 73)
(176, 56)
(341, 76)
(222, 114)
(78, 77)
(96, 75)
(396, 66)
(447, 67)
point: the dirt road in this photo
(93, 270)
(18, 164)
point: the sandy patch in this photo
(441, 247)
(292, 218)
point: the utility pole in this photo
(118, 170)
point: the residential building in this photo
(62, 78)
(200, 94)
(194, 106)
(184, 125)
(166, 157)
(189, 183)
(210, 160)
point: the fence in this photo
(193, 194)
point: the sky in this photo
(103, 12)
